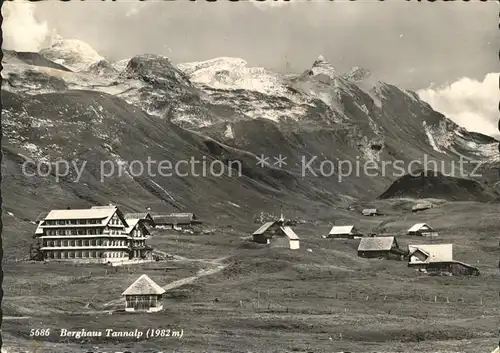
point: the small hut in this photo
(346, 232)
(438, 258)
(176, 221)
(422, 229)
(380, 247)
(421, 207)
(370, 212)
(276, 235)
(144, 295)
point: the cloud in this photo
(470, 103)
(21, 30)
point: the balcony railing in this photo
(87, 247)
(84, 236)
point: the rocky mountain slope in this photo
(68, 103)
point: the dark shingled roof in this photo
(174, 218)
(141, 215)
(375, 244)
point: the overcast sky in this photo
(408, 44)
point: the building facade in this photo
(97, 234)
(137, 233)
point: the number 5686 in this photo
(39, 332)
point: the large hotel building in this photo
(100, 233)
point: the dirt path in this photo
(215, 267)
(16, 317)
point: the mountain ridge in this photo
(220, 110)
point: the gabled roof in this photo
(140, 215)
(88, 213)
(174, 218)
(414, 250)
(342, 229)
(39, 229)
(376, 243)
(289, 233)
(102, 213)
(419, 226)
(143, 286)
(131, 224)
(437, 252)
(263, 228)
(134, 222)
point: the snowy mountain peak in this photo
(221, 63)
(72, 53)
(233, 73)
(357, 74)
(322, 67)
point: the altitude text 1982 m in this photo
(111, 333)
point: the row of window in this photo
(86, 231)
(115, 221)
(73, 222)
(134, 301)
(85, 254)
(82, 231)
(91, 242)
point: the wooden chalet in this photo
(421, 207)
(346, 232)
(176, 221)
(380, 247)
(438, 258)
(144, 295)
(422, 229)
(370, 212)
(276, 235)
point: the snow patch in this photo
(233, 73)
(72, 53)
(432, 142)
(229, 133)
(323, 67)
